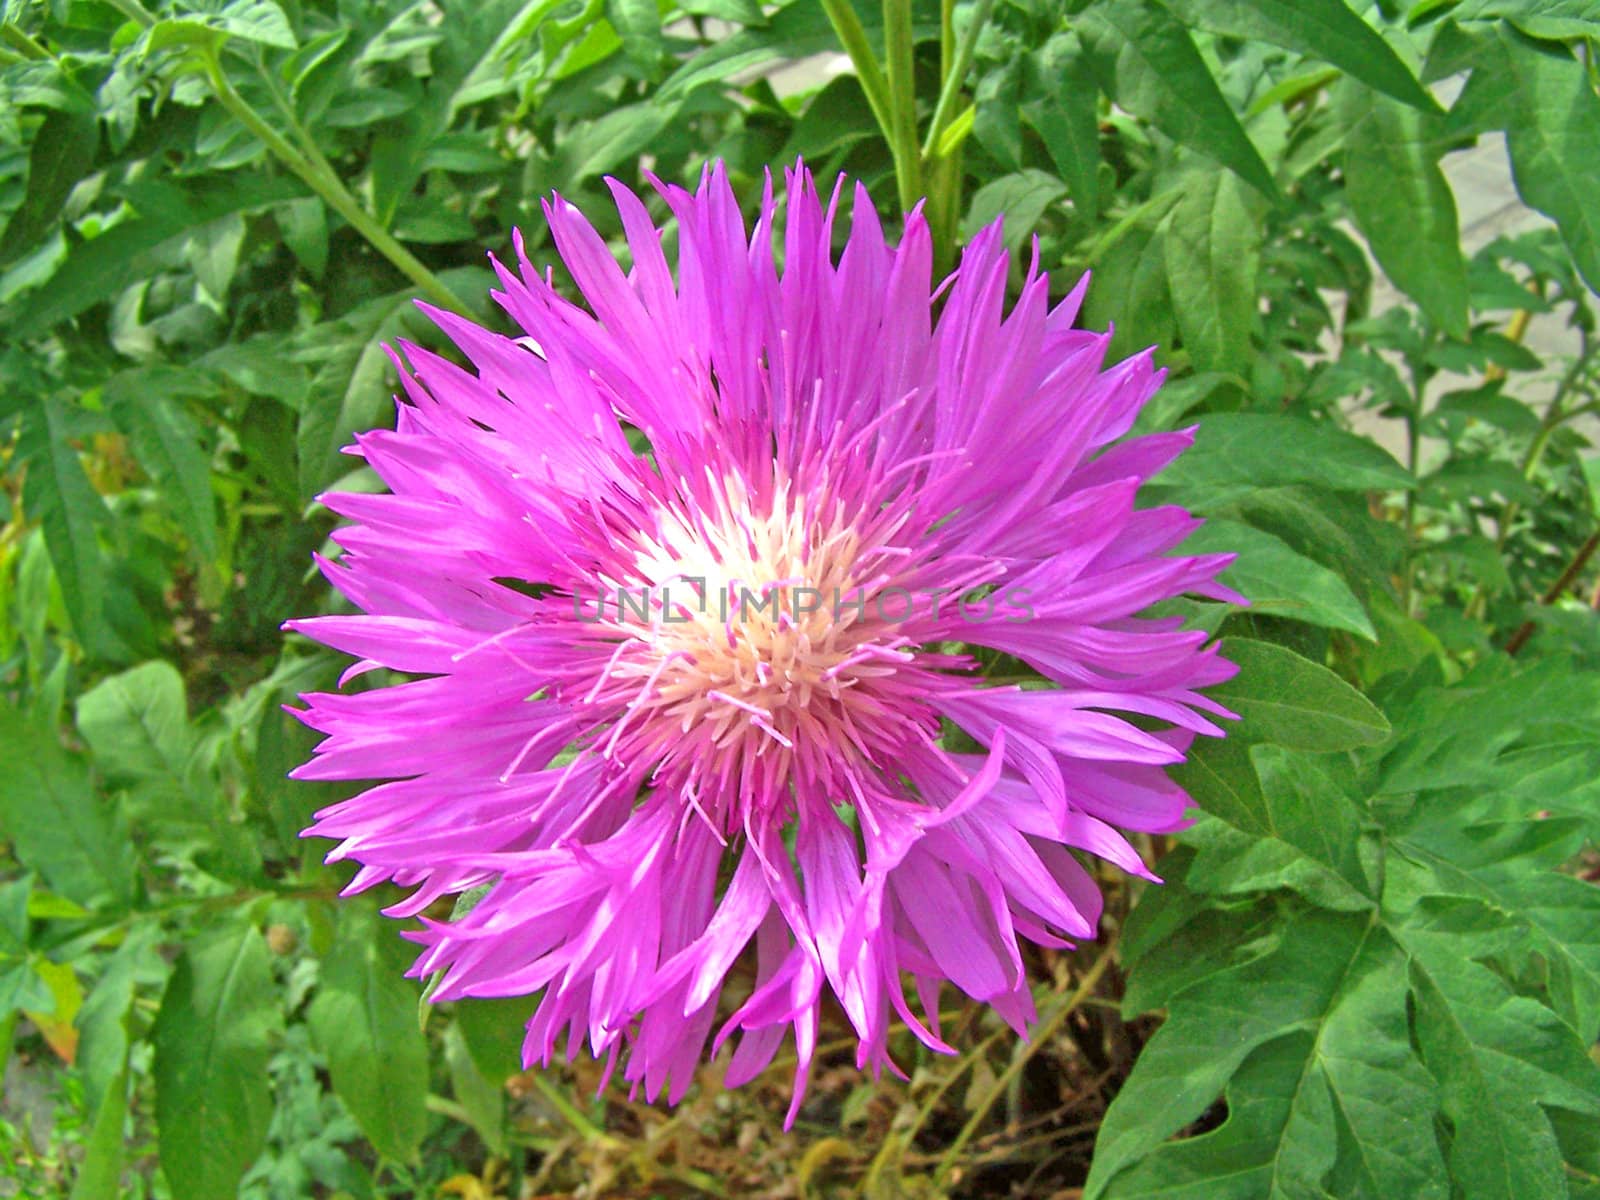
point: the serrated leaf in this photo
(1283, 798)
(1470, 1027)
(1402, 201)
(1146, 59)
(1213, 248)
(1229, 862)
(216, 1026)
(1322, 1020)
(1279, 582)
(364, 1021)
(1465, 1069)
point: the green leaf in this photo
(96, 270)
(1236, 454)
(638, 24)
(1437, 1045)
(795, 31)
(1130, 290)
(289, 803)
(494, 1031)
(1146, 59)
(1402, 201)
(57, 493)
(304, 224)
(147, 407)
(1303, 807)
(353, 389)
(20, 985)
(1021, 199)
(62, 152)
(619, 136)
(1325, 29)
(1304, 831)
(1213, 249)
(482, 1099)
(1553, 19)
(103, 1020)
(213, 254)
(1291, 701)
(56, 823)
(1063, 111)
(260, 21)
(364, 1021)
(100, 1174)
(137, 724)
(1554, 138)
(216, 1026)
(737, 12)
(1279, 582)
(1315, 1028)
(1467, 1020)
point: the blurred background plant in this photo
(1375, 956)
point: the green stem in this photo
(24, 44)
(315, 171)
(1569, 576)
(330, 187)
(947, 36)
(955, 74)
(1554, 417)
(902, 83)
(1153, 207)
(586, 1129)
(891, 97)
(847, 27)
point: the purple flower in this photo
(700, 703)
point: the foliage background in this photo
(1374, 969)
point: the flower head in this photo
(697, 577)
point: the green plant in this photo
(1375, 952)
